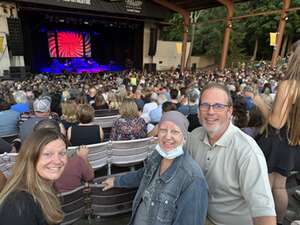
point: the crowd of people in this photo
(226, 142)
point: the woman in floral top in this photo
(130, 125)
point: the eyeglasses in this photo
(217, 107)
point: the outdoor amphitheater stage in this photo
(56, 43)
(79, 66)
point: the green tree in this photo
(174, 31)
(249, 37)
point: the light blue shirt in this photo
(8, 122)
(155, 114)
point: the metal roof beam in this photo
(186, 22)
(229, 7)
(280, 31)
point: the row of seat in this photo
(105, 122)
(90, 200)
(103, 154)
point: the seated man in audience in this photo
(156, 113)
(174, 97)
(91, 96)
(41, 108)
(8, 119)
(192, 106)
(233, 164)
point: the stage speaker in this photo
(194, 67)
(150, 67)
(6, 73)
(15, 37)
(152, 42)
(17, 71)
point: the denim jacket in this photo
(182, 195)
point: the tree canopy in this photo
(247, 34)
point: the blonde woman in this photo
(130, 125)
(28, 196)
(69, 114)
(282, 137)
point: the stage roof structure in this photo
(184, 7)
(193, 5)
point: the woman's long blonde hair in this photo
(293, 75)
(26, 178)
(129, 109)
(69, 111)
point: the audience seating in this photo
(106, 112)
(118, 152)
(106, 123)
(98, 154)
(103, 154)
(132, 152)
(90, 200)
(10, 138)
(7, 161)
(111, 202)
(73, 204)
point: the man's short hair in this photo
(212, 85)
(168, 106)
(41, 105)
(193, 96)
(47, 124)
(174, 93)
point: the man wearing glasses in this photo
(233, 164)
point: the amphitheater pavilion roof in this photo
(193, 5)
(184, 7)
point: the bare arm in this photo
(83, 153)
(101, 133)
(277, 117)
(62, 129)
(69, 133)
(264, 220)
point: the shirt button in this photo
(207, 158)
(166, 202)
(152, 203)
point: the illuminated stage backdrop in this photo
(69, 44)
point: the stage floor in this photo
(79, 65)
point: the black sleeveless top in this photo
(85, 135)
